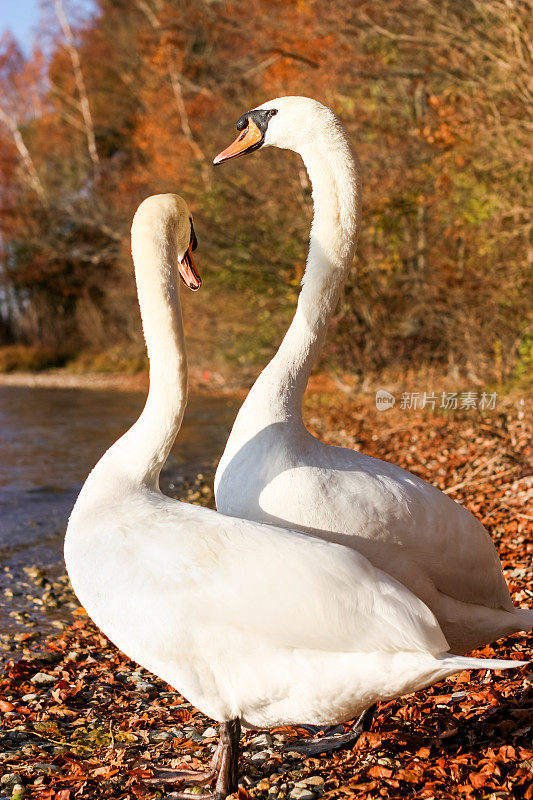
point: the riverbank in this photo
(80, 720)
(202, 381)
(50, 438)
(117, 381)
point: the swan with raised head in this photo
(252, 623)
(273, 470)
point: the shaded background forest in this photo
(140, 96)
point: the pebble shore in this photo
(79, 721)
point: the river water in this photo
(49, 441)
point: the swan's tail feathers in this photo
(463, 662)
(524, 619)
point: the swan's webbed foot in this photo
(164, 777)
(327, 730)
(338, 741)
(223, 771)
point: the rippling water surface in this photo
(49, 441)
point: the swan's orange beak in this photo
(250, 139)
(188, 272)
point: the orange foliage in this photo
(437, 110)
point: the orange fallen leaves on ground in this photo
(94, 735)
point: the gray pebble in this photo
(263, 740)
(17, 736)
(49, 656)
(260, 758)
(301, 793)
(160, 736)
(43, 679)
(44, 767)
(10, 779)
(144, 686)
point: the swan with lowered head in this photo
(252, 623)
(273, 470)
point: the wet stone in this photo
(17, 736)
(45, 767)
(48, 656)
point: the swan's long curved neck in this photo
(144, 448)
(334, 173)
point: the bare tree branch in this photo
(297, 57)
(176, 79)
(33, 176)
(80, 84)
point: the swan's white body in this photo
(247, 620)
(274, 470)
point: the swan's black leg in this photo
(228, 774)
(328, 744)
(223, 772)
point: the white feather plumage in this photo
(273, 470)
(247, 620)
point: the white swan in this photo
(250, 622)
(274, 470)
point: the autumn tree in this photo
(137, 99)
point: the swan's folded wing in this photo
(392, 507)
(287, 587)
